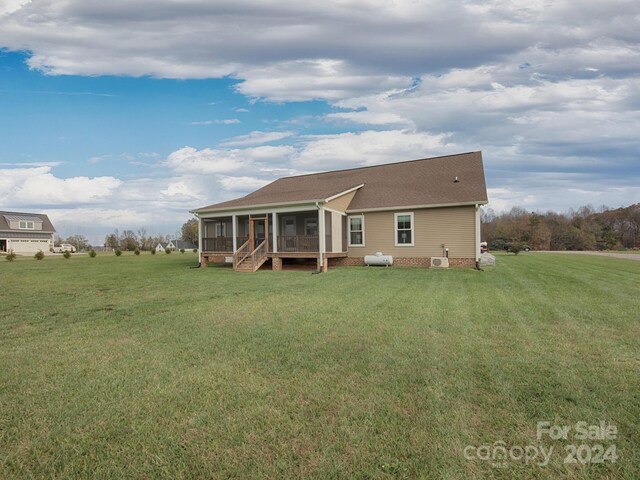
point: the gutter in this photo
(321, 239)
(408, 207)
(262, 205)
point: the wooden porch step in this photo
(246, 264)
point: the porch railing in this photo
(241, 240)
(217, 244)
(221, 244)
(258, 256)
(298, 243)
(241, 254)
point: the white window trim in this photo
(395, 230)
(222, 227)
(361, 217)
(26, 225)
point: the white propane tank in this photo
(378, 259)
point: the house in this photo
(184, 245)
(412, 210)
(25, 233)
(174, 245)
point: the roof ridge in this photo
(3, 212)
(376, 166)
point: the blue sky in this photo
(120, 115)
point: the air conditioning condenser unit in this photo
(439, 262)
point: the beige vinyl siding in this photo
(452, 226)
(15, 225)
(341, 203)
(336, 232)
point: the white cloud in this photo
(242, 184)
(28, 186)
(180, 189)
(302, 80)
(8, 6)
(345, 150)
(211, 161)
(97, 159)
(368, 118)
(226, 121)
(30, 164)
(255, 138)
(207, 160)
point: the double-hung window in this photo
(404, 229)
(356, 231)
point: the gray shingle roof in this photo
(40, 217)
(29, 218)
(417, 182)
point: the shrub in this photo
(182, 250)
(195, 250)
(167, 251)
(92, 253)
(515, 248)
(153, 251)
(39, 255)
(11, 257)
(137, 251)
(66, 254)
(118, 252)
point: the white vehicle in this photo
(65, 247)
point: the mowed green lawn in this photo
(140, 367)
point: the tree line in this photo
(129, 240)
(581, 229)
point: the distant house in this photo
(175, 245)
(184, 245)
(414, 211)
(25, 233)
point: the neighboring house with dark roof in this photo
(413, 210)
(184, 245)
(25, 233)
(161, 247)
(174, 245)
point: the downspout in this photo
(477, 235)
(199, 239)
(321, 239)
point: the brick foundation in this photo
(276, 264)
(424, 262)
(346, 262)
(206, 259)
(462, 262)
